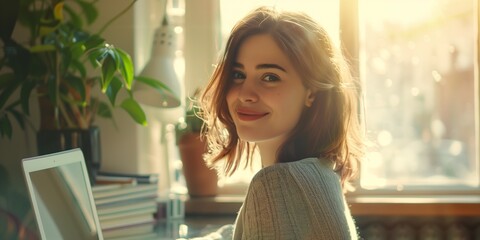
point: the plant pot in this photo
(201, 180)
(50, 141)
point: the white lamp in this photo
(165, 106)
(160, 66)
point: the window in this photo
(418, 63)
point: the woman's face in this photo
(266, 97)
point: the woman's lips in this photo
(249, 115)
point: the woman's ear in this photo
(310, 97)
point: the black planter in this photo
(50, 141)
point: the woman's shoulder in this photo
(299, 195)
(308, 171)
(305, 166)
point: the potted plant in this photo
(200, 179)
(63, 64)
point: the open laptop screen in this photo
(61, 196)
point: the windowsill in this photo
(451, 205)
(219, 205)
(427, 205)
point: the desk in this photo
(191, 226)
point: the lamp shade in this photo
(160, 67)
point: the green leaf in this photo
(113, 89)
(80, 67)
(89, 10)
(126, 67)
(74, 18)
(5, 127)
(7, 92)
(19, 117)
(104, 110)
(96, 56)
(77, 49)
(94, 41)
(108, 70)
(158, 85)
(42, 48)
(135, 111)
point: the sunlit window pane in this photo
(418, 61)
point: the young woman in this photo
(282, 88)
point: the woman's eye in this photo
(238, 76)
(270, 78)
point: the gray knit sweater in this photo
(296, 200)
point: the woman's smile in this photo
(245, 114)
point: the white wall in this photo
(202, 41)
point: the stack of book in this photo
(126, 204)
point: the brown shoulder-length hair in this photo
(329, 129)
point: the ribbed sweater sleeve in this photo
(298, 200)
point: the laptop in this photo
(61, 196)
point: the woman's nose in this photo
(248, 91)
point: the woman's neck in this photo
(268, 152)
(268, 158)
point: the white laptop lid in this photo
(61, 196)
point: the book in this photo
(127, 206)
(128, 213)
(123, 192)
(140, 178)
(111, 186)
(136, 219)
(103, 180)
(124, 189)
